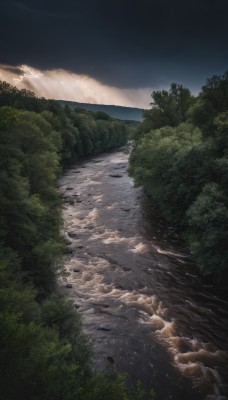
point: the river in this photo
(141, 300)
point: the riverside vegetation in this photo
(180, 158)
(44, 353)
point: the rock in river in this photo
(116, 175)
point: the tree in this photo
(168, 107)
(213, 100)
(208, 218)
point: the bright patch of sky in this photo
(60, 84)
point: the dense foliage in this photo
(43, 351)
(180, 158)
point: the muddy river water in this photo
(142, 302)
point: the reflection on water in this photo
(141, 300)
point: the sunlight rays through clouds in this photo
(60, 84)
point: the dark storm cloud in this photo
(9, 68)
(124, 43)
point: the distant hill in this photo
(118, 112)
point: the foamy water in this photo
(137, 292)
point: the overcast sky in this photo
(127, 47)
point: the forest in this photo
(180, 158)
(44, 353)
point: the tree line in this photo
(180, 158)
(44, 353)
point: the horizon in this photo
(98, 104)
(112, 54)
(46, 84)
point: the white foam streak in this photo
(168, 252)
(98, 198)
(139, 248)
(109, 236)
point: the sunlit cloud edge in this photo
(60, 84)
